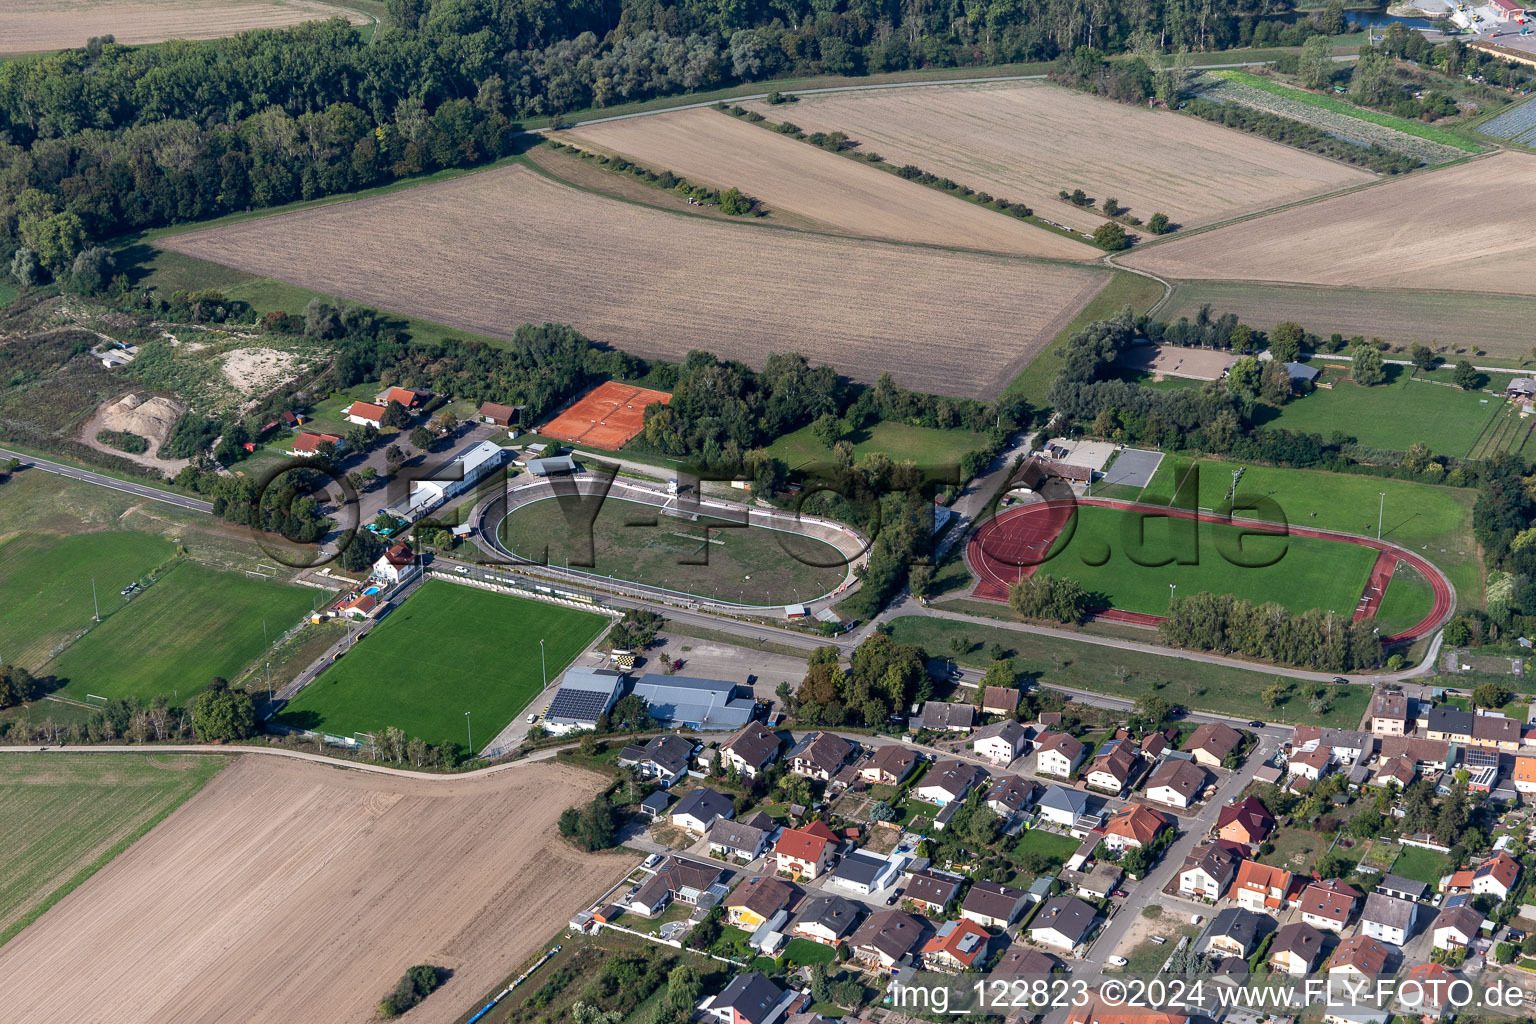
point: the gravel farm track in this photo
(1478, 238)
(290, 891)
(1025, 141)
(33, 26)
(849, 197)
(498, 248)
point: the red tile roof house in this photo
(958, 946)
(1133, 826)
(410, 398)
(309, 444)
(1495, 876)
(366, 414)
(1328, 905)
(1248, 822)
(805, 852)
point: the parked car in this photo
(1118, 961)
(1255, 725)
(1195, 919)
(462, 570)
(652, 860)
(1119, 892)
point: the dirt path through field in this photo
(288, 891)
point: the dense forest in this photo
(112, 138)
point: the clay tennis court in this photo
(606, 417)
(293, 892)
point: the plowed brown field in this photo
(1464, 228)
(288, 892)
(1027, 141)
(489, 251)
(33, 26)
(850, 198)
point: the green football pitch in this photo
(1116, 554)
(704, 558)
(194, 623)
(447, 650)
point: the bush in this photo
(123, 441)
(416, 984)
(1159, 225)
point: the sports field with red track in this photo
(1127, 555)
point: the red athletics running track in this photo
(1011, 545)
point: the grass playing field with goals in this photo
(1113, 553)
(1434, 521)
(45, 585)
(747, 565)
(191, 625)
(62, 818)
(447, 650)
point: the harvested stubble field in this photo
(1458, 321)
(1027, 141)
(845, 196)
(35, 26)
(489, 251)
(290, 891)
(1463, 228)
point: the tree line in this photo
(1311, 639)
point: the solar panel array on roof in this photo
(583, 695)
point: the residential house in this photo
(1058, 754)
(888, 765)
(1153, 744)
(1426, 990)
(1134, 826)
(1021, 961)
(1208, 870)
(958, 946)
(751, 999)
(932, 892)
(752, 750)
(992, 904)
(307, 444)
(865, 872)
(1176, 783)
(1096, 883)
(700, 809)
(1110, 771)
(1426, 754)
(805, 852)
(1096, 1010)
(888, 938)
(1328, 905)
(1495, 876)
(1000, 700)
(759, 899)
(1237, 932)
(409, 398)
(1398, 772)
(500, 415)
(1310, 764)
(948, 781)
(820, 755)
(1001, 743)
(1466, 729)
(1457, 927)
(1387, 919)
(1247, 822)
(366, 414)
(942, 716)
(744, 840)
(1259, 887)
(1063, 922)
(1011, 797)
(1389, 714)
(1345, 745)
(826, 919)
(1211, 742)
(664, 758)
(1296, 949)
(1062, 806)
(1525, 773)
(398, 562)
(1358, 957)
(683, 880)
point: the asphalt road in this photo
(102, 480)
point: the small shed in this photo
(655, 805)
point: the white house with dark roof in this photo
(752, 750)
(744, 840)
(751, 999)
(1058, 754)
(1001, 743)
(1062, 922)
(948, 781)
(1062, 806)
(1387, 919)
(993, 904)
(700, 809)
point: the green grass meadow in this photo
(195, 623)
(1422, 865)
(926, 446)
(1052, 661)
(45, 585)
(1434, 521)
(1116, 553)
(64, 817)
(1393, 415)
(751, 565)
(447, 650)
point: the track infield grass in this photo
(1105, 554)
(1051, 661)
(1407, 601)
(193, 624)
(1432, 520)
(64, 817)
(748, 565)
(447, 650)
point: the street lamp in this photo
(1381, 513)
(469, 734)
(1171, 588)
(543, 669)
